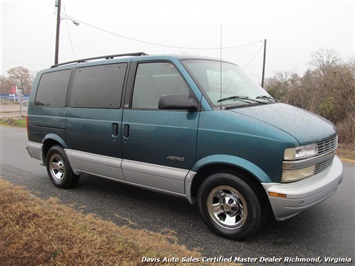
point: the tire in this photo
(59, 169)
(230, 206)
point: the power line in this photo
(27, 27)
(254, 56)
(162, 45)
(66, 23)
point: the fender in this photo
(235, 162)
(224, 159)
(56, 138)
(50, 138)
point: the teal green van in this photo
(192, 127)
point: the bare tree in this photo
(281, 84)
(21, 77)
(327, 88)
(5, 85)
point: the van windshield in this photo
(226, 84)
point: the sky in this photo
(233, 30)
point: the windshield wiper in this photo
(233, 98)
(243, 98)
(265, 97)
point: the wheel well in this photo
(46, 147)
(249, 178)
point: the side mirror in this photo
(177, 102)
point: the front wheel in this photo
(230, 206)
(59, 169)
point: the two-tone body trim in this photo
(159, 177)
(155, 177)
(34, 149)
(104, 166)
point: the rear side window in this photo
(98, 86)
(52, 89)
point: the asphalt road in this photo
(326, 230)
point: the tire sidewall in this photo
(253, 219)
(68, 175)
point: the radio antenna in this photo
(220, 68)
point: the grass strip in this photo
(43, 232)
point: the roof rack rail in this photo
(99, 57)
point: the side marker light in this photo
(279, 195)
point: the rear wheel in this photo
(59, 169)
(230, 206)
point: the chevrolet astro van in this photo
(192, 127)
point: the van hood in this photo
(305, 126)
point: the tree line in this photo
(327, 88)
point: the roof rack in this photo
(99, 57)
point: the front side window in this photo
(52, 89)
(226, 84)
(154, 80)
(98, 86)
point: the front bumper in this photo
(303, 194)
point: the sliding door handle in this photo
(114, 130)
(126, 131)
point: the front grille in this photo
(327, 145)
(320, 167)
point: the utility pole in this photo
(263, 76)
(58, 4)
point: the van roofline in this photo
(107, 57)
(136, 54)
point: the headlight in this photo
(301, 152)
(298, 174)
